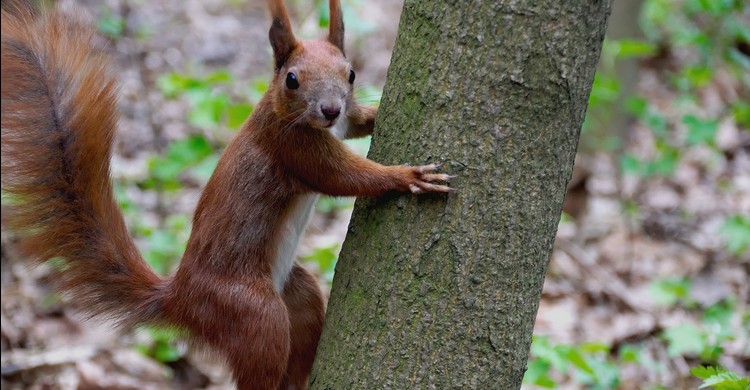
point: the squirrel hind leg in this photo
(306, 308)
(256, 345)
(244, 320)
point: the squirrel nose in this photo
(330, 112)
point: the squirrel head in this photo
(313, 80)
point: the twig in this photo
(608, 282)
(18, 360)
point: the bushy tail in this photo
(58, 122)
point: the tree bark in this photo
(442, 291)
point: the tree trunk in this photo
(442, 291)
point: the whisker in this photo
(297, 119)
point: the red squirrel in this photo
(238, 289)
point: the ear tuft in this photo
(281, 36)
(336, 25)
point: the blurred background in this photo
(648, 286)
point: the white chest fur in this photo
(291, 233)
(295, 225)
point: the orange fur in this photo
(58, 121)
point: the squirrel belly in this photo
(292, 231)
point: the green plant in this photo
(325, 258)
(162, 345)
(685, 339)
(111, 24)
(332, 204)
(709, 28)
(606, 91)
(669, 291)
(192, 155)
(163, 247)
(706, 33)
(720, 379)
(588, 364)
(706, 339)
(736, 233)
(666, 154)
(211, 103)
(115, 26)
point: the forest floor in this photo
(616, 278)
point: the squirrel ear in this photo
(281, 35)
(336, 24)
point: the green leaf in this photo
(719, 314)
(606, 374)
(324, 15)
(629, 163)
(594, 347)
(330, 204)
(697, 76)
(162, 251)
(700, 131)
(368, 94)
(208, 110)
(178, 223)
(204, 169)
(180, 156)
(324, 257)
(165, 353)
(736, 233)
(165, 169)
(629, 48)
(703, 372)
(656, 122)
(219, 77)
(684, 339)
(630, 354)
(257, 88)
(666, 161)
(541, 348)
(112, 25)
(720, 379)
(162, 347)
(575, 357)
(637, 106)
(538, 373)
(189, 150)
(714, 7)
(237, 114)
(667, 292)
(171, 84)
(741, 111)
(606, 89)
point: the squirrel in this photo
(238, 289)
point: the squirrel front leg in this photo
(361, 119)
(327, 166)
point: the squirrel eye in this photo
(292, 82)
(351, 77)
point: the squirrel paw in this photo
(423, 179)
